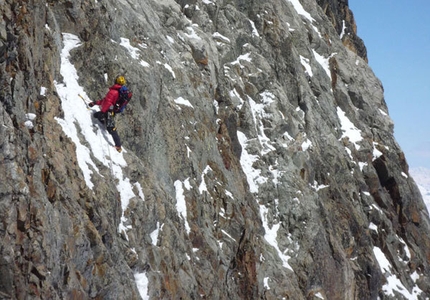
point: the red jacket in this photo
(110, 98)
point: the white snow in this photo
(300, 10)
(246, 161)
(43, 91)
(142, 285)
(187, 184)
(181, 205)
(324, 62)
(266, 283)
(30, 116)
(94, 148)
(349, 129)
(258, 114)
(319, 295)
(170, 39)
(223, 231)
(73, 108)
(190, 33)
(75, 112)
(254, 29)
(306, 144)
(406, 248)
(245, 57)
(362, 165)
(253, 174)
(168, 68)
(372, 226)
(276, 173)
(271, 235)
(29, 124)
(203, 187)
(376, 152)
(155, 233)
(144, 64)
(234, 94)
(228, 193)
(267, 97)
(188, 151)
(254, 180)
(342, 33)
(383, 112)
(220, 37)
(316, 186)
(305, 63)
(93, 144)
(393, 283)
(182, 101)
(139, 190)
(133, 51)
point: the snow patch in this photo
(316, 186)
(271, 235)
(306, 144)
(78, 124)
(169, 68)
(246, 161)
(155, 233)
(203, 187)
(133, 51)
(254, 29)
(259, 114)
(181, 205)
(306, 64)
(349, 129)
(383, 112)
(393, 283)
(43, 91)
(324, 62)
(29, 118)
(376, 152)
(266, 283)
(245, 57)
(300, 10)
(190, 33)
(218, 36)
(372, 226)
(142, 283)
(182, 101)
(342, 33)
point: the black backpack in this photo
(124, 97)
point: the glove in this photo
(91, 104)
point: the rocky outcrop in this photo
(259, 157)
(343, 22)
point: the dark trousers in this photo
(108, 120)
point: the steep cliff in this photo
(259, 157)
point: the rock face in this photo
(259, 158)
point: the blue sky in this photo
(397, 37)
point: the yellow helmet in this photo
(120, 80)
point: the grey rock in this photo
(281, 202)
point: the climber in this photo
(106, 114)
